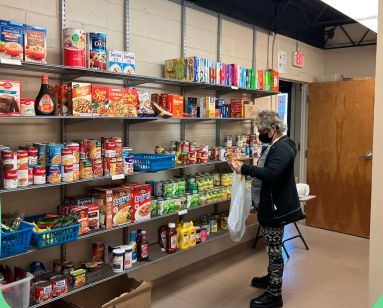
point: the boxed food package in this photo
(114, 61)
(212, 72)
(116, 102)
(96, 50)
(128, 62)
(192, 106)
(175, 104)
(93, 216)
(35, 44)
(121, 292)
(11, 40)
(274, 80)
(80, 99)
(78, 200)
(82, 217)
(267, 81)
(169, 68)
(10, 95)
(100, 100)
(235, 75)
(192, 68)
(62, 99)
(252, 79)
(104, 198)
(131, 102)
(260, 80)
(249, 110)
(27, 107)
(145, 108)
(141, 201)
(236, 108)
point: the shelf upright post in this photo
(254, 63)
(183, 29)
(62, 26)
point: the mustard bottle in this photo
(184, 237)
(192, 234)
(178, 229)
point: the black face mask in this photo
(264, 137)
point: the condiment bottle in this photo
(138, 235)
(171, 238)
(143, 247)
(184, 237)
(128, 257)
(162, 236)
(118, 260)
(44, 104)
(192, 234)
(133, 243)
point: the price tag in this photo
(10, 61)
(234, 87)
(118, 177)
(183, 212)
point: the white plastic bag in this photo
(239, 207)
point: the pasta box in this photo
(80, 98)
(141, 202)
(128, 62)
(35, 44)
(100, 100)
(114, 61)
(131, 102)
(10, 95)
(11, 40)
(116, 102)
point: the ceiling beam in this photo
(348, 36)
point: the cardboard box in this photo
(116, 102)
(175, 104)
(10, 96)
(80, 95)
(131, 102)
(100, 100)
(141, 201)
(236, 108)
(250, 110)
(114, 61)
(121, 292)
(128, 62)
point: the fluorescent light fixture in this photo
(363, 11)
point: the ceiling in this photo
(309, 21)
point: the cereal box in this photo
(128, 62)
(145, 108)
(114, 60)
(267, 81)
(274, 86)
(131, 102)
(10, 94)
(175, 104)
(141, 202)
(11, 40)
(80, 95)
(100, 100)
(260, 80)
(192, 65)
(116, 102)
(35, 44)
(96, 50)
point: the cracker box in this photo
(141, 202)
(116, 102)
(128, 62)
(131, 102)
(80, 99)
(100, 100)
(35, 44)
(175, 104)
(82, 216)
(11, 40)
(114, 61)
(10, 96)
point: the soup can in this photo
(22, 159)
(96, 50)
(22, 177)
(54, 154)
(74, 47)
(86, 171)
(94, 147)
(59, 285)
(39, 175)
(119, 165)
(9, 160)
(53, 174)
(76, 172)
(75, 147)
(30, 176)
(67, 156)
(97, 167)
(10, 179)
(32, 156)
(67, 173)
(118, 142)
(110, 149)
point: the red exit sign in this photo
(298, 59)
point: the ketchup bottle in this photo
(171, 238)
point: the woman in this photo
(275, 198)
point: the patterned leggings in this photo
(273, 239)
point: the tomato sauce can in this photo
(67, 156)
(22, 177)
(32, 156)
(22, 159)
(97, 167)
(74, 47)
(9, 160)
(96, 50)
(43, 292)
(39, 175)
(54, 174)
(86, 171)
(110, 166)
(59, 285)
(84, 149)
(76, 172)
(75, 147)
(67, 173)
(118, 142)
(54, 154)
(10, 179)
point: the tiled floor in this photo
(332, 274)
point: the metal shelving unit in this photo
(156, 255)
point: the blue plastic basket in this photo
(53, 237)
(153, 162)
(16, 242)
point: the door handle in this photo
(367, 156)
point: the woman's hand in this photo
(235, 165)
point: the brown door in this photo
(339, 135)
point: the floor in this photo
(332, 274)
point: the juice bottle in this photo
(184, 237)
(143, 247)
(171, 238)
(133, 243)
(192, 234)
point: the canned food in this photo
(96, 50)
(67, 173)
(177, 203)
(128, 165)
(94, 148)
(9, 160)
(97, 167)
(192, 157)
(43, 292)
(118, 142)
(109, 166)
(110, 149)
(228, 141)
(30, 175)
(76, 172)
(53, 174)
(74, 47)
(161, 206)
(205, 148)
(67, 156)
(67, 267)
(185, 146)
(75, 147)
(22, 177)
(42, 154)
(86, 171)
(10, 179)
(59, 285)
(57, 266)
(32, 156)
(54, 154)
(203, 157)
(22, 159)
(119, 165)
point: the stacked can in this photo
(75, 147)
(128, 160)
(22, 168)
(67, 174)
(9, 166)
